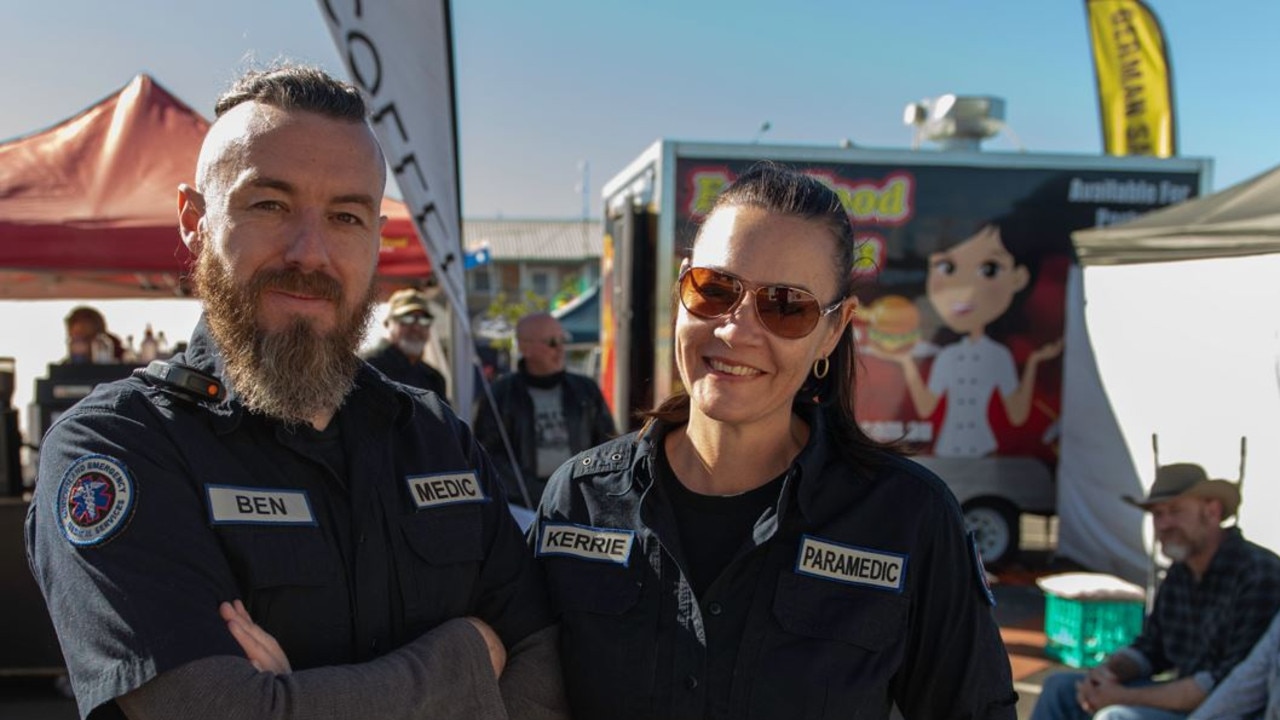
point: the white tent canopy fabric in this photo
(1177, 334)
(1243, 219)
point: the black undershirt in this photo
(713, 528)
(325, 447)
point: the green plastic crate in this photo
(1081, 633)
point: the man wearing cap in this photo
(1217, 599)
(399, 356)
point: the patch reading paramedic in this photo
(230, 505)
(586, 542)
(445, 489)
(853, 565)
(95, 500)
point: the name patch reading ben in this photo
(588, 543)
(445, 489)
(230, 505)
(847, 564)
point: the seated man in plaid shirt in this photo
(1217, 599)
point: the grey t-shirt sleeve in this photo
(1250, 686)
(444, 674)
(532, 685)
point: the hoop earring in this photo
(821, 367)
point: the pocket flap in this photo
(280, 557)
(584, 586)
(445, 536)
(827, 610)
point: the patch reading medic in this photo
(95, 500)
(853, 565)
(445, 489)
(231, 505)
(586, 542)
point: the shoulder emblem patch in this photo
(852, 565)
(95, 500)
(585, 542)
(976, 556)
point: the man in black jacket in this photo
(549, 414)
(399, 356)
(354, 520)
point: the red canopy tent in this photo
(88, 208)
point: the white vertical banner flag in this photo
(400, 52)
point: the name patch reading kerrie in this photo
(586, 542)
(230, 505)
(853, 565)
(445, 489)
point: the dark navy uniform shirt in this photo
(151, 508)
(858, 590)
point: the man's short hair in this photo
(296, 87)
(85, 314)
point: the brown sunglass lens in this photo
(708, 294)
(786, 311)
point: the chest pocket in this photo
(834, 647)
(291, 583)
(608, 635)
(440, 571)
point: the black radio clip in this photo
(185, 380)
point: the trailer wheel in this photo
(994, 523)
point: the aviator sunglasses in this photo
(784, 311)
(551, 342)
(419, 320)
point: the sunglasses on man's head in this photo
(783, 310)
(421, 320)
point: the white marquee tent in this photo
(1177, 335)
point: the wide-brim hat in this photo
(1189, 479)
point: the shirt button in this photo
(691, 682)
(715, 608)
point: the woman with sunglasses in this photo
(750, 552)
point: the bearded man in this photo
(1216, 601)
(267, 474)
(399, 356)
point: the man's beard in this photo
(1177, 552)
(294, 374)
(411, 348)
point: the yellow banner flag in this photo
(1135, 91)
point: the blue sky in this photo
(545, 85)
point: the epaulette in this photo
(612, 456)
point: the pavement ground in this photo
(1019, 611)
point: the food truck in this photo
(959, 363)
